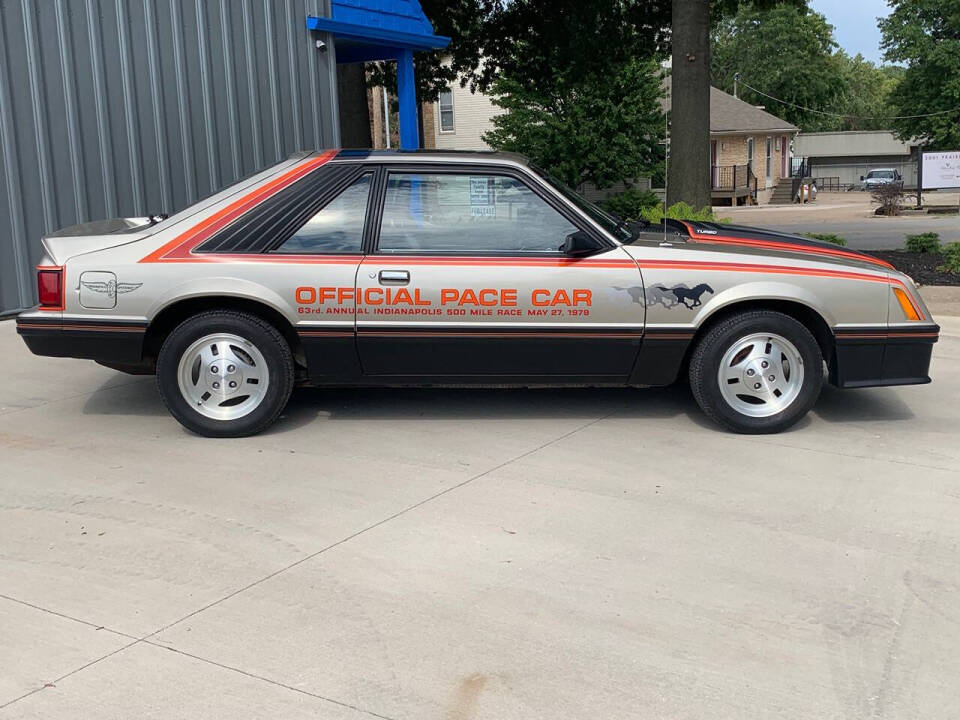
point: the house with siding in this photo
(457, 121)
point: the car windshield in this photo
(600, 216)
(881, 174)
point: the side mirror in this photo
(861, 177)
(578, 244)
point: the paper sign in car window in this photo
(482, 198)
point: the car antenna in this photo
(666, 169)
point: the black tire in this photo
(267, 340)
(708, 354)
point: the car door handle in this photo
(394, 277)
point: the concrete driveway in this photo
(476, 554)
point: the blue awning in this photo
(374, 30)
(379, 27)
(377, 36)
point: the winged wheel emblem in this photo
(110, 288)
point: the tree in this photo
(786, 52)
(690, 116)
(578, 79)
(865, 99)
(601, 129)
(688, 175)
(926, 37)
(532, 42)
(851, 93)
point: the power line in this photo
(843, 115)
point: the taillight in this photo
(50, 288)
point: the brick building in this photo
(750, 150)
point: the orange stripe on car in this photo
(780, 270)
(783, 245)
(885, 336)
(406, 261)
(181, 246)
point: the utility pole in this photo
(920, 177)
(736, 84)
(689, 175)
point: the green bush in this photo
(951, 255)
(828, 237)
(928, 242)
(631, 203)
(680, 211)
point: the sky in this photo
(854, 24)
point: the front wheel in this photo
(757, 372)
(225, 373)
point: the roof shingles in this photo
(730, 115)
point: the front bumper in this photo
(872, 357)
(111, 342)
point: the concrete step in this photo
(782, 193)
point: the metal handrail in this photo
(732, 177)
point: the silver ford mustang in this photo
(386, 268)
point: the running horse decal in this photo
(694, 294)
(651, 296)
(657, 295)
(667, 297)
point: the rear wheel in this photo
(225, 373)
(757, 372)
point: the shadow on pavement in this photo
(485, 403)
(866, 405)
(140, 398)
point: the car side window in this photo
(337, 229)
(468, 213)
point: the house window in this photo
(750, 153)
(769, 157)
(446, 111)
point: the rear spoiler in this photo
(108, 227)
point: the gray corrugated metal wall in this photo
(116, 108)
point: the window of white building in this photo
(446, 111)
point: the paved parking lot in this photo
(460, 554)
(850, 215)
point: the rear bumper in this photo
(870, 357)
(106, 341)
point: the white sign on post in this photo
(940, 170)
